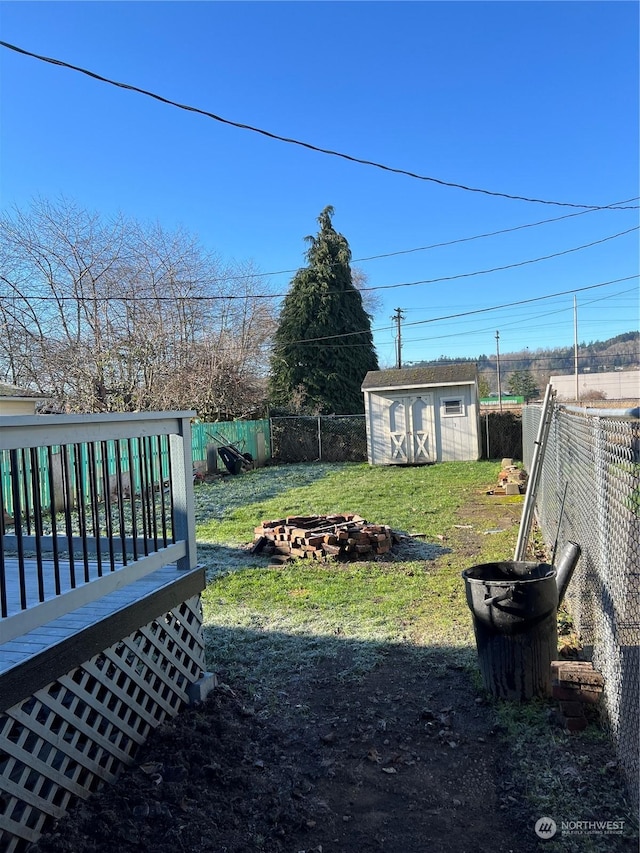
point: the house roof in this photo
(16, 393)
(412, 377)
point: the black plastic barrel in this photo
(514, 606)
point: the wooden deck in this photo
(35, 655)
(91, 581)
(12, 572)
(100, 616)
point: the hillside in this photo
(619, 353)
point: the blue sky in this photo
(533, 99)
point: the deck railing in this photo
(90, 503)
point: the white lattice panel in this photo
(69, 738)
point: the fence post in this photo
(601, 493)
(534, 474)
(319, 439)
(486, 422)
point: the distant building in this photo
(18, 401)
(621, 385)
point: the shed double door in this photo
(411, 430)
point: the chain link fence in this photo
(343, 438)
(589, 493)
(325, 438)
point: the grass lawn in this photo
(417, 596)
(263, 620)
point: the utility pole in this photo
(575, 346)
(398, 317)
(498, 366)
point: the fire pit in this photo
(322, 537)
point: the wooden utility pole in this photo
(498, 366)
(575, 346)
(398, 317)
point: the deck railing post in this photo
(182, 485)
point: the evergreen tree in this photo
(323, 346)
(484, 388)
(522, 384)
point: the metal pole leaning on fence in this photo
(537, 459)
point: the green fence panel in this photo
(252, 437)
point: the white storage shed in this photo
(420, 415)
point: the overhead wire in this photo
(583, 209)
(480, 236)
(527, 319)
(446, 243)
(470, 312)
(442, 244)
(291, 141)
(232, 296)
(506, 266)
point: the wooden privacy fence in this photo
(101, 626)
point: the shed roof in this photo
(411, 377)
(16, 393)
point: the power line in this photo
(482, 236)
(469, 313)
(291, 141)
(506, 266)
(527, 320)
(491, 359)
(231, 296)
(521, 301)
(446, 243)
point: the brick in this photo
(297, 552)
(590, 696)
(569, 694)
(558, 667)
(593, 680)
(576, 694)
(308, 536)
(572, 673)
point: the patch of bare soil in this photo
(405, 760)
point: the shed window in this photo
(452, 406)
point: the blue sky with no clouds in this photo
(531, 99)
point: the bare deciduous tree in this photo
(118, 316)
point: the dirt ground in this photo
(407, 763)
(405, 758)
